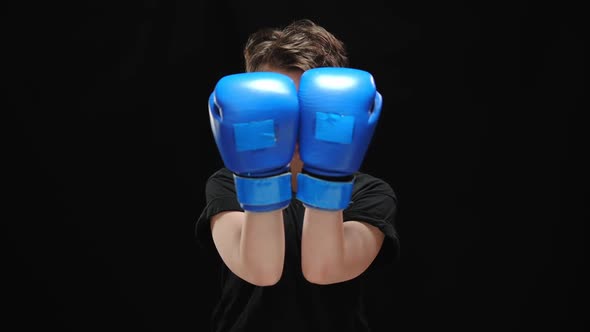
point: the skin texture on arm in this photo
(252, 245)
(334, 251)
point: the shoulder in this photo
(365, 183)
(374, 202)
(220, 184)
(222, 176)
(222, 173)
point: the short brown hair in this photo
(300, 45)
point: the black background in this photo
(109, 147)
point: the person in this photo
(293, 222)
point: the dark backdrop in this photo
(109, 147)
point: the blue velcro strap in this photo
(264, 194)
(323, 194)
(254, 135)
(333, 127)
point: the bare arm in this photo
(252, 245)
(335, 251)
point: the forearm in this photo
(262, 246)
(335, 251)
(322, 244)
(251, 244)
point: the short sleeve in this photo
(220, 195)
(375, 202)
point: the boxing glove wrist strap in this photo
(263, 194)
(323, 194)
(332, 178)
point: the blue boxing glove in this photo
(339, 110)
(254, 119)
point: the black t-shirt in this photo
(294, 304)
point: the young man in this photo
(294, 222)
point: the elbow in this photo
(314, 278)
(263, 278)
(265, 282)
(319, 274)
(262, 273)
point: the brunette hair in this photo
(302, 45)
